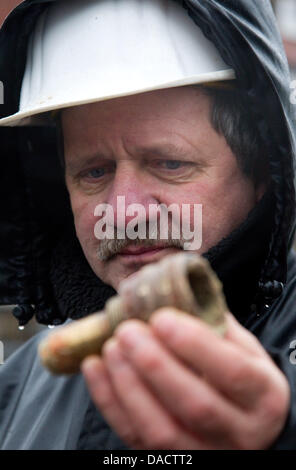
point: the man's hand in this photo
(174, 384)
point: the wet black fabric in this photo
(255, 263)
(76, 288)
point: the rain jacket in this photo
(37, 268)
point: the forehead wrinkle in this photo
(161, 149)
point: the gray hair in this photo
(231, 117)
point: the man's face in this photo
(151, 148)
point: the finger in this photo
(228, 367)
(239, 335)
(153, 425)
(192, 400)
(104, 397)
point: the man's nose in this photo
(130, 196)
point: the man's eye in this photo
(96, 173)
(172, 164)
(168, 164)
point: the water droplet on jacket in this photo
(50, 326)
(21, 327)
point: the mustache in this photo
(111, 247)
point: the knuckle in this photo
(267, 419)
(202, 412)
(130, 437)
(238, 375)
(105, 401)
(148, 360)
(275, 404)
(256, 435)
(181, 337)
(276, 393)
(250, 436)
(161, 439)
(247, 442)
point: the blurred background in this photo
(10, 335)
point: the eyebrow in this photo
(164, 150)
(85, 161)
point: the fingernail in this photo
(90, 367)
(164, 321)
(112, 353)
(131, 335)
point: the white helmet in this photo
(83, 51)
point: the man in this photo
(163, 131)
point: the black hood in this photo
(34, 205)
